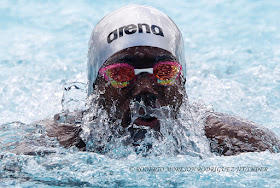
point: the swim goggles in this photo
(121, 75)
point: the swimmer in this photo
(136, 57)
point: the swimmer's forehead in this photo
(141, 57)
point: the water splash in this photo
(74, 97)
(181, 133)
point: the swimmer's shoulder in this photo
(229, 135)
(66, 127)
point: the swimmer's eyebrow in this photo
(123, 58)
(165, 57)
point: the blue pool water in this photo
(233, 56)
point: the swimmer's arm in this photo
(229, 135)
(31, 141)
(65, 129)
(59, 128)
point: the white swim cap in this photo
(129, 26)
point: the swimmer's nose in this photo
(148, 99)
(144, 90)
(144, 84)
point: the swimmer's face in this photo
(143, 88)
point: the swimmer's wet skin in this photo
(141, 59)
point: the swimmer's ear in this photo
(184, 81)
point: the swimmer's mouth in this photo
(148, 121)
